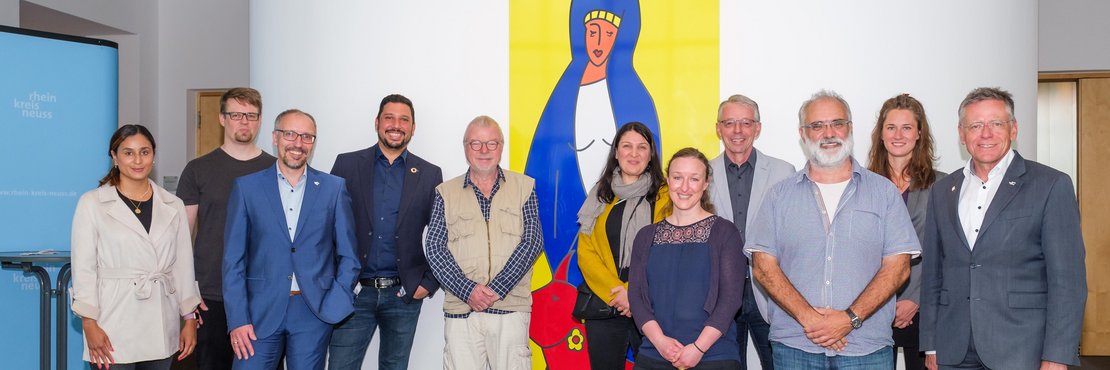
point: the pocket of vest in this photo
(511, 221)
(460, 225)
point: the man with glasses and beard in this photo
(204, 186)
(831, 244)
(391, 193)
(289, 255)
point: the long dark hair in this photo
(654, 166)
(920, 169)
(122, 134)
(689, 152)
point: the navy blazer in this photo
(1021, 292)
(259, 258)
(414, 212)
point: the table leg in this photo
(63, 316)
(44, 313)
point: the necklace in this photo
(136, 205)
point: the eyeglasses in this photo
(745, 123)
(818, 126)
(290, 135)
(240, 115)
(477, 145)
(976, 127)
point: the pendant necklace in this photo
(136, 205)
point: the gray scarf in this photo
(637, 212)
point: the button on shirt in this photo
(388, 181)
(831, 260)
(976, 196)
(291, 198)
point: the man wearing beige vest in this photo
(483, 238)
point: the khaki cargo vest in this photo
(482, 248)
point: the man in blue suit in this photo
(289, 273)
(1003, 283)
(392, 190)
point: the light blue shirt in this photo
(291, 199)
(830, 258)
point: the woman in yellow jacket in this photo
(630, 195)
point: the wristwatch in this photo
(856, 322)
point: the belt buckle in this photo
(382, 283)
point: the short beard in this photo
(821, 158)
(243, 140)
(404, 143)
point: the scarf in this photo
(637, 212)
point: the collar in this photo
(803, 174)
(750, 161)
(379, 155)
(466, 177)
(998, 170)
(281, 176)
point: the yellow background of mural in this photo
(677, 57)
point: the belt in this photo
(380, 282)
(293, 293)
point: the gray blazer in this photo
(917, 203)
(1021, 292)
(768, 171)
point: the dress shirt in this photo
(389, 180)
(831, 260)
(740, 178)
(291, 197)
(976, 196)
(522, 258)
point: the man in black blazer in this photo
(1004, 282)
(391, 193)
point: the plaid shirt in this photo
(447, 270)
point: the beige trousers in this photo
(499, 342)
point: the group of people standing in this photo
(982, 268)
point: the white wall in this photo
(1073, 35)
(9, 13)
(779, 54)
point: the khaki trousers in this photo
(480, 340)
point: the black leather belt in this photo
(380, 282)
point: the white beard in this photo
(827, 157)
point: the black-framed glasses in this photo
(235, 116)
(818, 126)
(730, 123)
(477, 145)
(290, 135)
(977, 126)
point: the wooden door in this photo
(1094, 208)
(210, 134)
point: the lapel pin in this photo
(1012, 183)
(953, 188)
(317, 183)
(413, 170)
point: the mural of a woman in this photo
(568, 145)
(598, 91)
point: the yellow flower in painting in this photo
(575, 340)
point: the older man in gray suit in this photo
(742, 175)
(1004, 280)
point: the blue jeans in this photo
(747, 320)
(790, 358)
(378, 309)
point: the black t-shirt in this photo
(207, 181)
(146, 211)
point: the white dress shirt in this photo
(976, 196)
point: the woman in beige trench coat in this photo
(133, 280)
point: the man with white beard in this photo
(831, 244)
